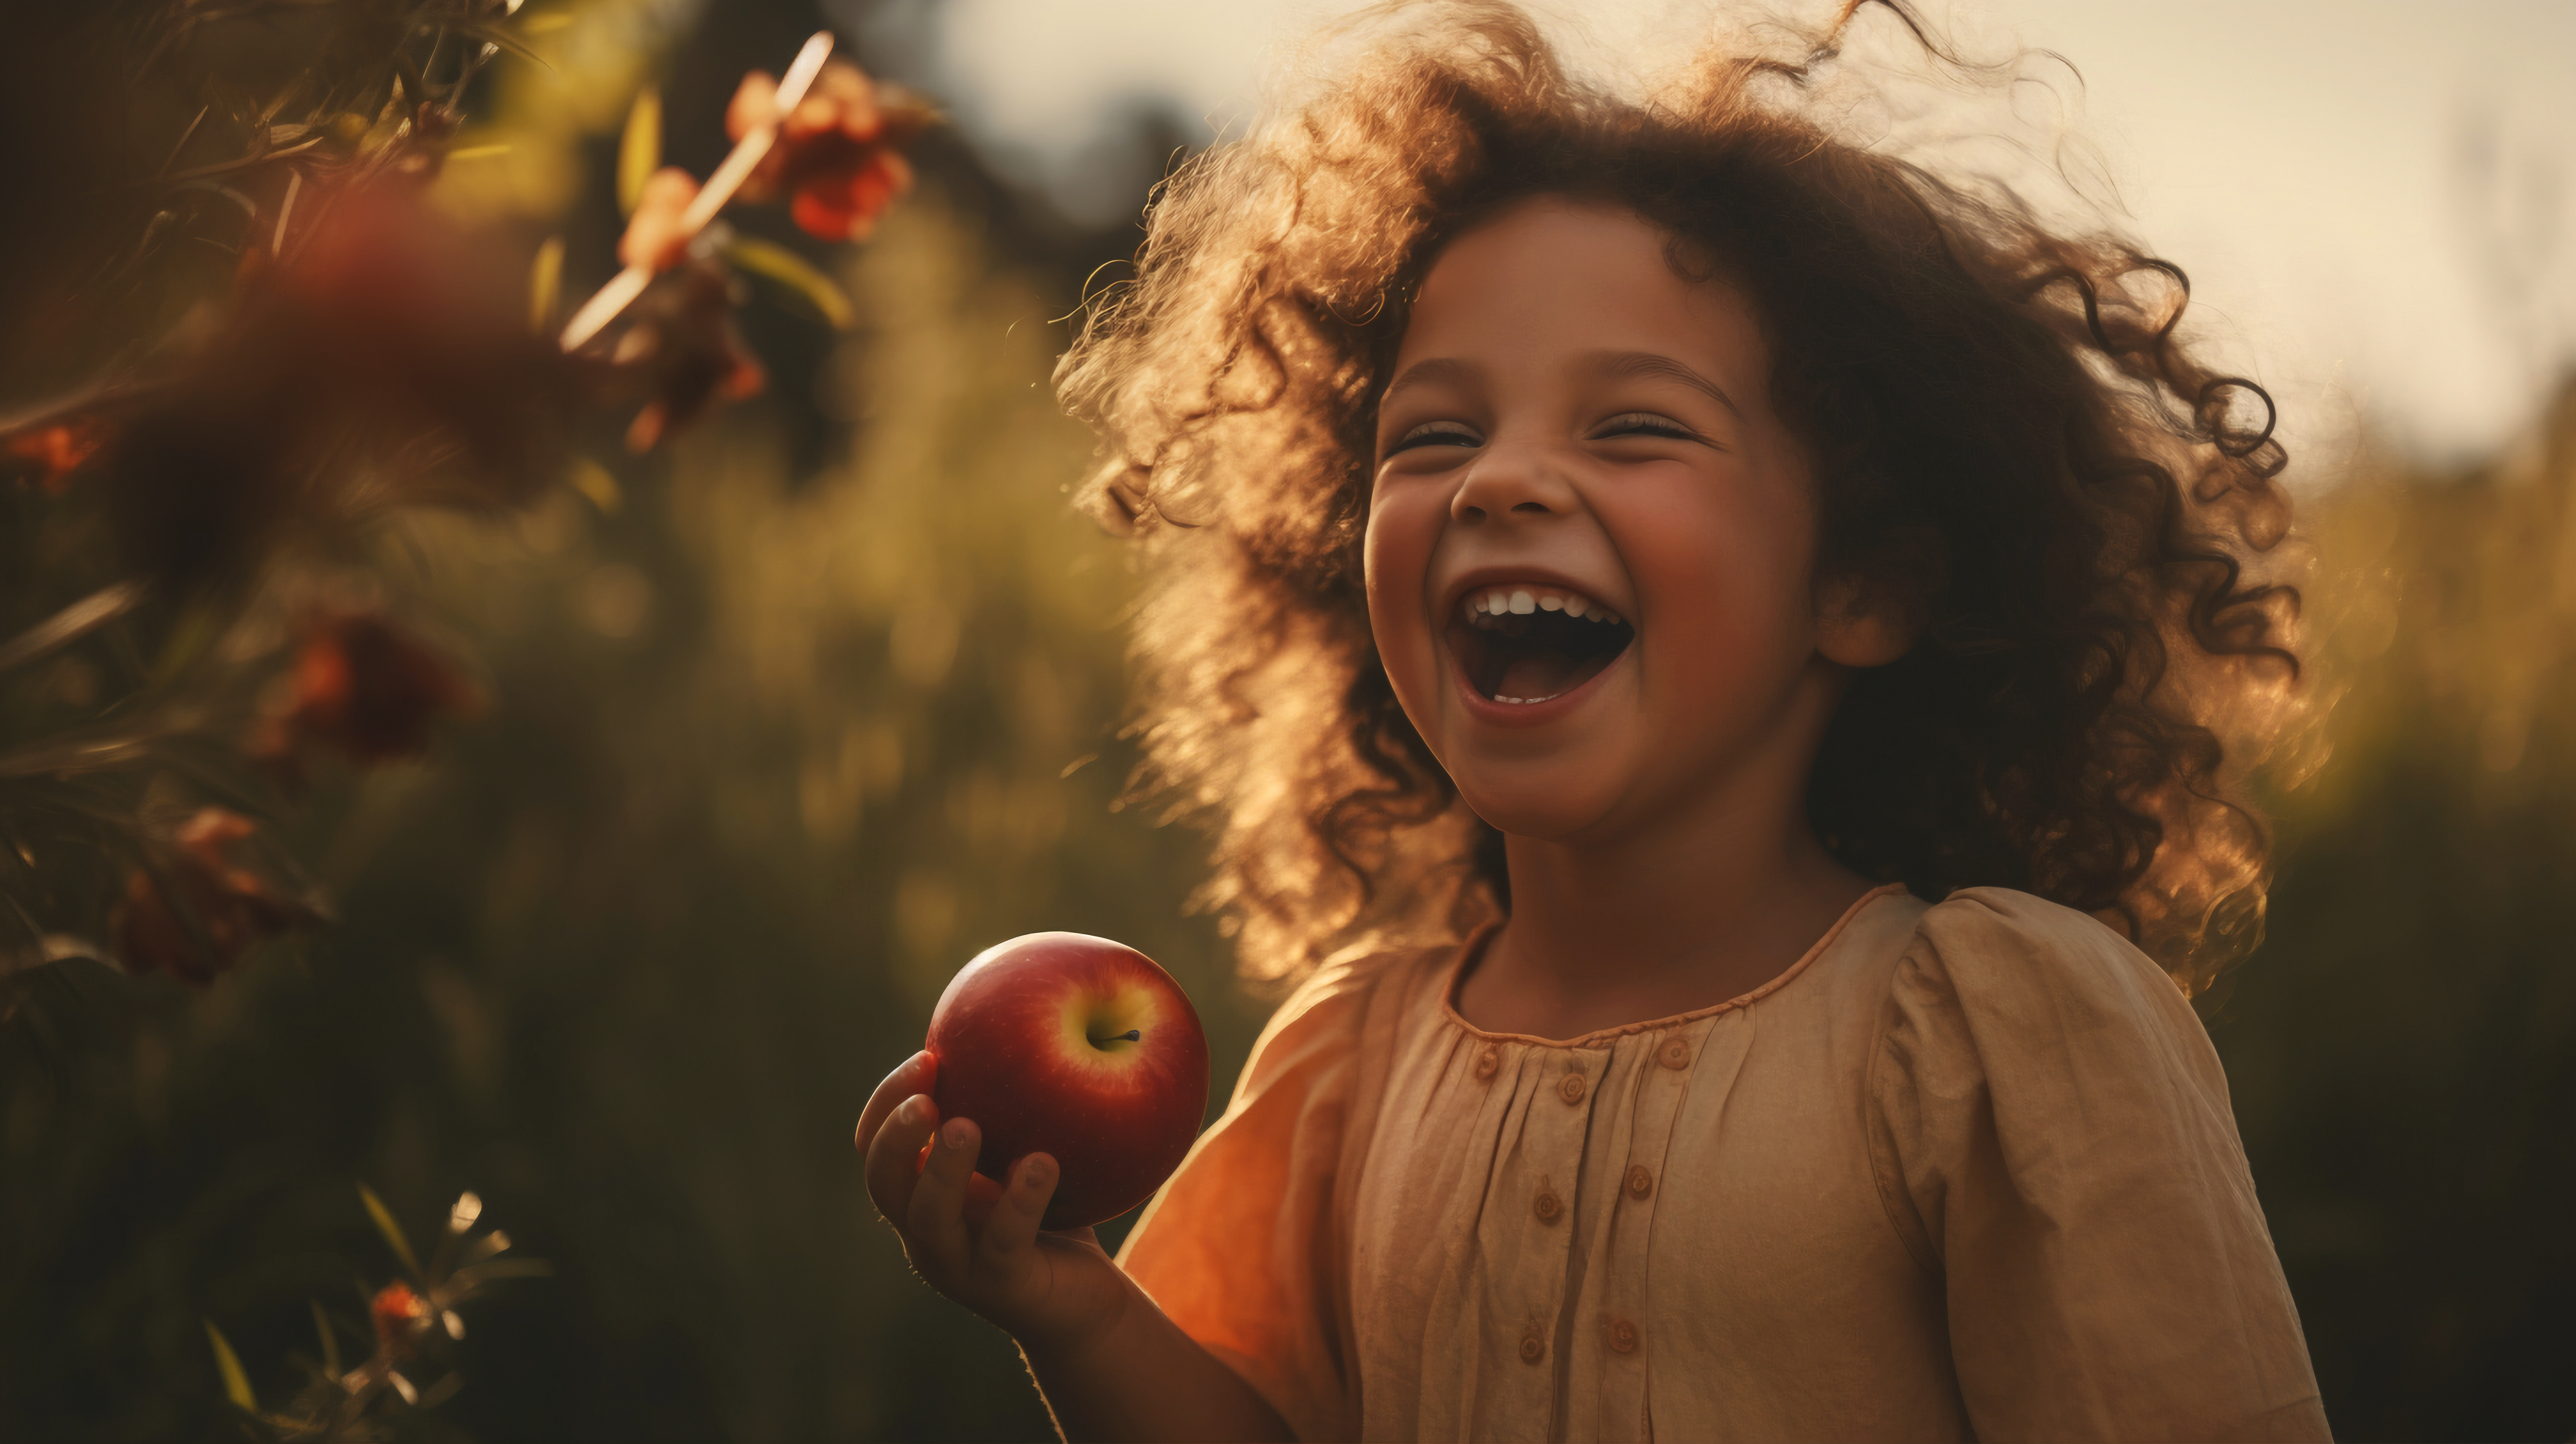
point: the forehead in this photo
(1555, 276)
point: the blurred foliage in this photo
(788, 721)
(2403, 1049)
(409, 1330)
(765, 761)
(752, 738)
(228, 371)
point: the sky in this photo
(2376, 200)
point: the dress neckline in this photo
(1475, 945)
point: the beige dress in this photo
(1964, 1171)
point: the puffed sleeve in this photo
(1243, 1245)
(2052, 1133)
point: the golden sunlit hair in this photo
(2008, 441)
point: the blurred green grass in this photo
(2403, 1049)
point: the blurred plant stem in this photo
(338, 1405)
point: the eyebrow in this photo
(1618, 365)
(1424, 372)
(1623, 365)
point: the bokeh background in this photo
(792, 718)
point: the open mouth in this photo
(1523, 643)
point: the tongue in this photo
(1537, 676)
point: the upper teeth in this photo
(1521, 601)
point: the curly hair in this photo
(2008, 440)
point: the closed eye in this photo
(1436, 433)
(1644, 423)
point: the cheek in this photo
(1403, 527)
(1728, 587)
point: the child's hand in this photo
(977, 1241)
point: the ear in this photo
(1863, 626)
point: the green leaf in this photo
(391, 1230)
(330, 1340)
(639, 153)
(545, 284)
(94, 754)
(194, 635)
(789, 269)
(593, 481)
(70, 624)
(228, 1363)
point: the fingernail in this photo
(1037, 1173)
(955, 1133)
(914, 1110)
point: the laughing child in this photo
(1703, 646)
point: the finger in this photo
(981, 1194)
(1013, 1229)
(891, 1174)
(914, 1075)
(936, 1219)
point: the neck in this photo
(1688, 907)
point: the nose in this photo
(1511, 481)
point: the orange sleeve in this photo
(1242, 1247)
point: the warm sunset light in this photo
(859, 719)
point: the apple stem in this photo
(1132, 1035)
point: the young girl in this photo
(1701, 642)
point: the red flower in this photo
(364, 688)
(231, 906)
(653, 236)
(54, 452)
(386, 361)
(838, 152)
(401, 1317)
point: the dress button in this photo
(1546, 1206)
(1533, 1348)
(1640, 1182)
(1623, 1336)
(1674, 1054)
(1571, 1090)
(1487, 1062)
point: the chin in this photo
(1540, 802)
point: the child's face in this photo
(1580, 435)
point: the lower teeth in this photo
(1535, 659)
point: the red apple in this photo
(1078, 1048)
